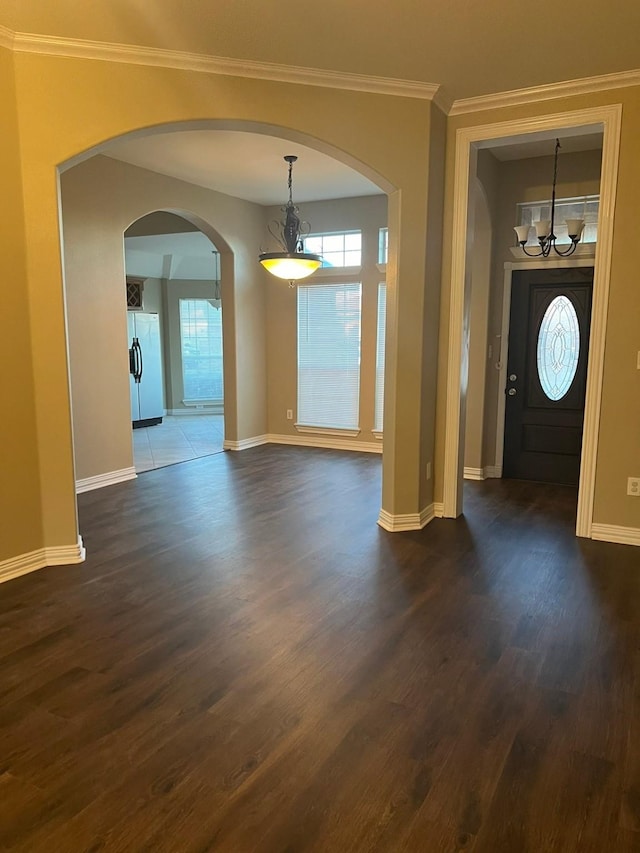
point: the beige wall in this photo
(66, 106)
(619, 448)
(100, 199)
(431, 305)
(367, 214)
(478, 331)
(20, 513)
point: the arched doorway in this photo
(174, 298)
(92, 192)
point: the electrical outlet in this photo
(289, 414)
(633, 486)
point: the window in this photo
(337, 249)
(329, 355)
(383, 245)
(382, 318)
(558, 348)
(584, 207)
(201, 343)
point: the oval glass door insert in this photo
(558, 347)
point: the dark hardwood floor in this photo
(246, 662)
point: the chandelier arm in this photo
(532, 254)
(569, 251)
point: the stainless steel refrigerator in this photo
(145, 368)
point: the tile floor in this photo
(177, 439)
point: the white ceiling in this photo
(250, 166)
(245, 165)
(186, 255)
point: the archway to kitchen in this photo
(175, 340)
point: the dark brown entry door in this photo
(546, 374)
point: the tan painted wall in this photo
(478, 331)
(367, 214)
(431, 306)
(619, 447)
(20, 516)
(100, 199)
(66, 106)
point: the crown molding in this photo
(7, 37)
(518, 97)
(134, 55)
(184, 61)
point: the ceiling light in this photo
(292, 263)
(545, 227)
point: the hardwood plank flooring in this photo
(247, 662)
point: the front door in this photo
(546, 374)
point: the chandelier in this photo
(545, 227)
(292, 263)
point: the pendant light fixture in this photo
(217, 288)
(292, 263)
(545, 227)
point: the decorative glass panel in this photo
(558, 348)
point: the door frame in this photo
(467, 139)
(509, 269)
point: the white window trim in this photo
(377, 434)
(316, 430)
(350, 275)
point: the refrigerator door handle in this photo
(140, 354)
(132, 359)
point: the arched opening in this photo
(175, 336)
(104, 195)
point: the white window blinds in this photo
(382, 321)
(329, 355)
(201, 341)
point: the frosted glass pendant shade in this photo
(523, 232)
(290, 266)
(574, 227)
(543, 228)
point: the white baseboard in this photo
(108, 479)
(486, 473)
(60, 555)
(438, 509)
(328, 442)
(473, 473)
(408, 521)
(245, 443)
(615, 533)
